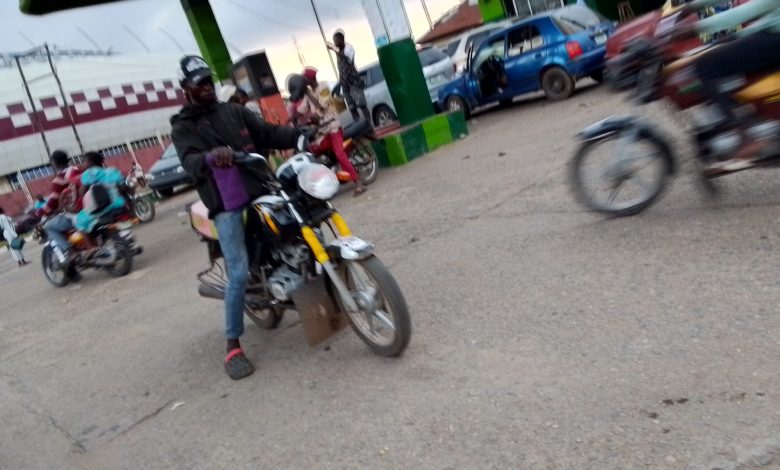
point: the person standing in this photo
(206, 133)
(349, 78)
(9, 233)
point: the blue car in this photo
(550, 51)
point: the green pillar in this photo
(405, 80)
(209, 38)
(492, 10)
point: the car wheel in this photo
(384, 116)
(557, 84)
(456, 103)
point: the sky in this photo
(132, 26)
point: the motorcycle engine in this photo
(287, 277)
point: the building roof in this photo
(464, 17)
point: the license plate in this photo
(601, 39)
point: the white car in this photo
(458, 47)
(438, 70)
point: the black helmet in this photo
(296, 86)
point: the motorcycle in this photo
(140, 206)
(110, 246)
(357, 145)
(297, 267)
(664, 74)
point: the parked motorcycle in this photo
(139, 202)
(634, 174)
(357, 145)
(110, 246)
(298, 267)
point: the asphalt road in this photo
(546, 337)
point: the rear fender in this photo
(616, 125)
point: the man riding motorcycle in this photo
(754, 51)
(312, 103)
(206, 133)
(64, 197)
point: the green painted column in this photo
(399, 60)
(209, 38)
(492, 10)
(405, 80)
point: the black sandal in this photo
(237, 365)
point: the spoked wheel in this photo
(267, 318)
(365, 162)
(144, 209)
(57, 275)
(384, 116)
(382, 321)
(619, 177)
(124, 256)
(456, 103)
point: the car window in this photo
(452, 48)
(377, 76)
(524, 39)
(431, 56)
(493, 48)
(170, 152)
(478, 38)
(574, 19)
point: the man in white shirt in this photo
(349, 78)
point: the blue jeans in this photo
(230, 229)
(55, 229)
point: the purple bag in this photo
(230, 185)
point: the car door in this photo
(526, 53)
(484, 80)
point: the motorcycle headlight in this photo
(318, 181)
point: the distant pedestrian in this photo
(242, 97)
(15, 243)
(349, 78)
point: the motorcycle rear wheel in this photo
(365, 161)
(266, 318)
(386, 307)
(57, 276)
(617, 173)
(124, 263)
(144, 209)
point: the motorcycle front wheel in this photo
(618, 177)
(57, 275)
(383, 321)
(144, 209)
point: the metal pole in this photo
(64, 99)
(427, 14)
(32, 104)
(324, 39)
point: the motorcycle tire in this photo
(266, 318)
(58, 277)
(392, 299)
(584, 195)
(365, 161)
(144, 210)
(125, 262)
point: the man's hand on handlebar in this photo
(220, 157)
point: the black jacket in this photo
(231, 125)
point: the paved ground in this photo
(545, 336)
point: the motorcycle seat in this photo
(358, 128)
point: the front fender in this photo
(616, 125)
